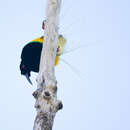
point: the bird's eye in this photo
(58, 49)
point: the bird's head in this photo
(26, 72)
(61, 45)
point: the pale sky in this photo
(96, 96)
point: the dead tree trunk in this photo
(46, 95)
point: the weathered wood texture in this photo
(46, 94)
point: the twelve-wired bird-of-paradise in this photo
(31, 53)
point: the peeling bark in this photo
(47, 103)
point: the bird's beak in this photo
(27, 77)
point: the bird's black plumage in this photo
(30, 58)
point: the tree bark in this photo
(46, 94)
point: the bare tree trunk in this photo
(46, 95)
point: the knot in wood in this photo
(35, 94)
(47, 95)
(59, 106)
(38, 106)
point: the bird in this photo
(31, 53)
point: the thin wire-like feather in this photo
(75, 70)
(74, 49)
